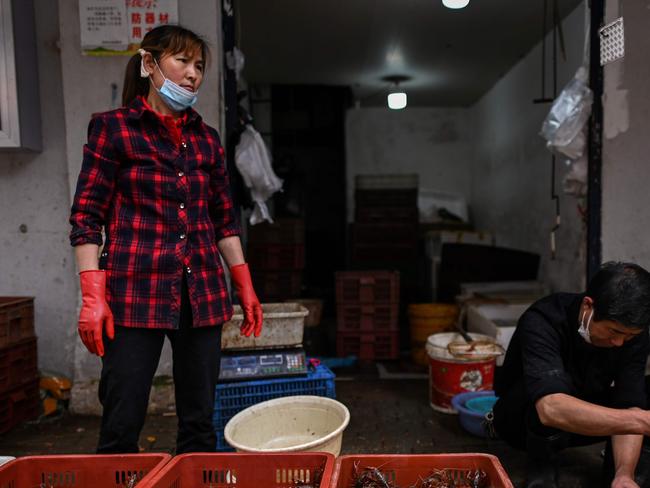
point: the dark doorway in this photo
(309, 155)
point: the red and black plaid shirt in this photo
(162, 196)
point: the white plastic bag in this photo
(568, 116)
(254, 163)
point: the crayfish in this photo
(448, 478)
(372, 477)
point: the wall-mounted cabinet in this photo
(20, 108)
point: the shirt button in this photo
(188, 269)
(182, 205)
(181, 174)
(182, 236)
(183, 145)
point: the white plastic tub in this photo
(289, 424)
(283, 326)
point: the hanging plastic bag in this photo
(567, 117)
(254, 163)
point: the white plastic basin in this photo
(288, 424)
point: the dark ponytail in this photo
(134, 84)
(164, 39)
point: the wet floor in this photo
(387, 416)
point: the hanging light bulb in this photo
(397, 100)
(455, 4)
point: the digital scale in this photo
(258, 364)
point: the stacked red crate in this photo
(385, 233)
(19, 392)
(276, 254)
(367, 309)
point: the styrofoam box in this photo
(282, 327)
(496, 320)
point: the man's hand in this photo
(95, 313)
(624, 481)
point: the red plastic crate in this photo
(377, 317)
(16, 319)
(367, 287)
(273, 286)
(368, 346)
(282, 231)
(19, 405)
(276, 256)
(243, 470)
(409, 469)
(18, 364)
(82, 471)
(386, 214)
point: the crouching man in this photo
(574, 375)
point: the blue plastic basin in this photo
(481, 404)
(473, 419)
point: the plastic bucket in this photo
(426, 319)
(289, 424)
(450, 375)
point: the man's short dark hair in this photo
(621, 293)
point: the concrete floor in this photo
(387, 416)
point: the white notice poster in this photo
(104, 26)
(110, 27)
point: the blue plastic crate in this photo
(232, 398)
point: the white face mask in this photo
(175, 96)
(584, 330)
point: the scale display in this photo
(262, 364)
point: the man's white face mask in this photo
(583, 330)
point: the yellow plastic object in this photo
(58, 386)
(50, 406)
(426, 319)
(55, 393)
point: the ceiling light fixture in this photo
(455, 4)
(397, 99)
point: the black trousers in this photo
(128, 367)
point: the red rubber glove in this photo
(253, 317)
(95, 313)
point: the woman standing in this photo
(154, 179)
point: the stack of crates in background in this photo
(276, 255)
(386, 219)
(232, 398)
(19, 390)
(367, 310)
(385, 232)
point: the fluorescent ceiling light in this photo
(397, 100)
(455, 4)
